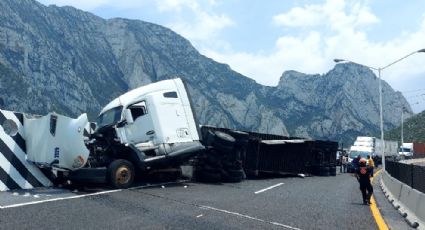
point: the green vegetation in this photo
(413, 130)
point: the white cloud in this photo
(308, 16)
(332, 13)
(205, 28)
(176, 5)
(292, 53)
(197, 23)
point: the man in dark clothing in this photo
(355, 163)
(363, 176)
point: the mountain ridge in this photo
(73, 62)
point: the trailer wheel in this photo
(223, 142)
(120, 173)
(233, 176)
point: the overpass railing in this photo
(410, 174)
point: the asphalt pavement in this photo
(274, 203)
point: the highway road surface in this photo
(274, 203)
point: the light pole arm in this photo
(392, 63)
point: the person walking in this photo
(363, 177)
(371, 164)
(344, 163)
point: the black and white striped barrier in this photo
(15, 171)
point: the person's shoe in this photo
(365, 202)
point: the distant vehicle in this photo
(371, 146)
(412, 150)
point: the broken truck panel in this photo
(56, 141)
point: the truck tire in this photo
(239, 135)
(120, 173)
(223, 142)
(235, 165)
(233, 176)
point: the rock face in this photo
(69, 61)
(341, 103)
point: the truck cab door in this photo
(141, 128)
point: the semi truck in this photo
(371, 146)
(152, 126)
(412, 150)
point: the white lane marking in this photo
(268, 188)
(199, 216)
(85, 195)
(249, 217)
(57, 199)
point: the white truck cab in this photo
(151, 126)
(159, 113)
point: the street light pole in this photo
(402, 121)
(380, 96)
(381, 121)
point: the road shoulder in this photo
(392, 218)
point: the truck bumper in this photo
(88, 175)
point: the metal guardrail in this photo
(410, 174)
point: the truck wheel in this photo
(223, 142)
(120, 173)
(233, 176)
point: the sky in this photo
(263, 38)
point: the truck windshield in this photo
(109, 117)
(354, 154)
(404, 149)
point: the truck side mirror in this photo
(128, 116)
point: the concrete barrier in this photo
(409, 202)
(393, 186)
(15, 171)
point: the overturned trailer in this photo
(269, 153)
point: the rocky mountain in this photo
(69, 61)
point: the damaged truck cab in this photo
(147, 127)
(151, 126)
